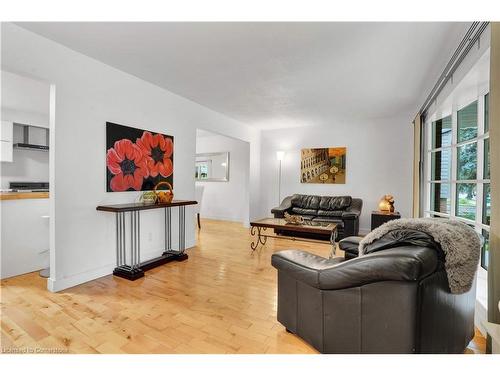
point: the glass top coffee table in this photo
(259, 227)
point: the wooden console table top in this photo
(127, 207)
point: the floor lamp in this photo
(280, 155)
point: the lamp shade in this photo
(280, 155)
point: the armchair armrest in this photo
(302, 265)
(285, 205)
(404, 263)
(354, 210)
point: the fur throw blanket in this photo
(460, 243)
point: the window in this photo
(440, 198)
(485, 251)
(467, 162)
(486, 204)
(440, 188)
(486, 159)
(458, 168)
(441, 132)
(441, 165)
(466, 201)
(467, 122)
(487, 113)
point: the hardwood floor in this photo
(222, 300)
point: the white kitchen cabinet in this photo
(6, 131)
(6, 139)
(24, 236)
(6, 151)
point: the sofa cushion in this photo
(334, 213)
(304, 211)
(306, 201)
(335, 203)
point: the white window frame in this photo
(457, 105)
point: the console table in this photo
(133, 268)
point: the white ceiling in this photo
(273, 75)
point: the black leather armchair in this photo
(343, 210)
(393, 300)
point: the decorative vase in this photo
(386, 203)
(148, 197)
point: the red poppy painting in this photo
(136, 160)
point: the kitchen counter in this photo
(23, 195)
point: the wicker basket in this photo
(163, 196)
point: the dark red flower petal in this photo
(169, 147)
(113, 161)
(117, 183)
(166, 168)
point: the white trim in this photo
(454, 147)
(481, 299)
(437, 213)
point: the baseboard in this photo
(57, 285)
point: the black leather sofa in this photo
(395, 299)
(344, 211)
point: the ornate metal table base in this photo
(262, 239)
(133, 268)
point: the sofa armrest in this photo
(404, 263)
(285, 205)
(354, 210)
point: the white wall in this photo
(87, 94)
(227, 200)
(379, 161)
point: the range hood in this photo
(34, 138)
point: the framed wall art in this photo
(323, 165)
(137, 159)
